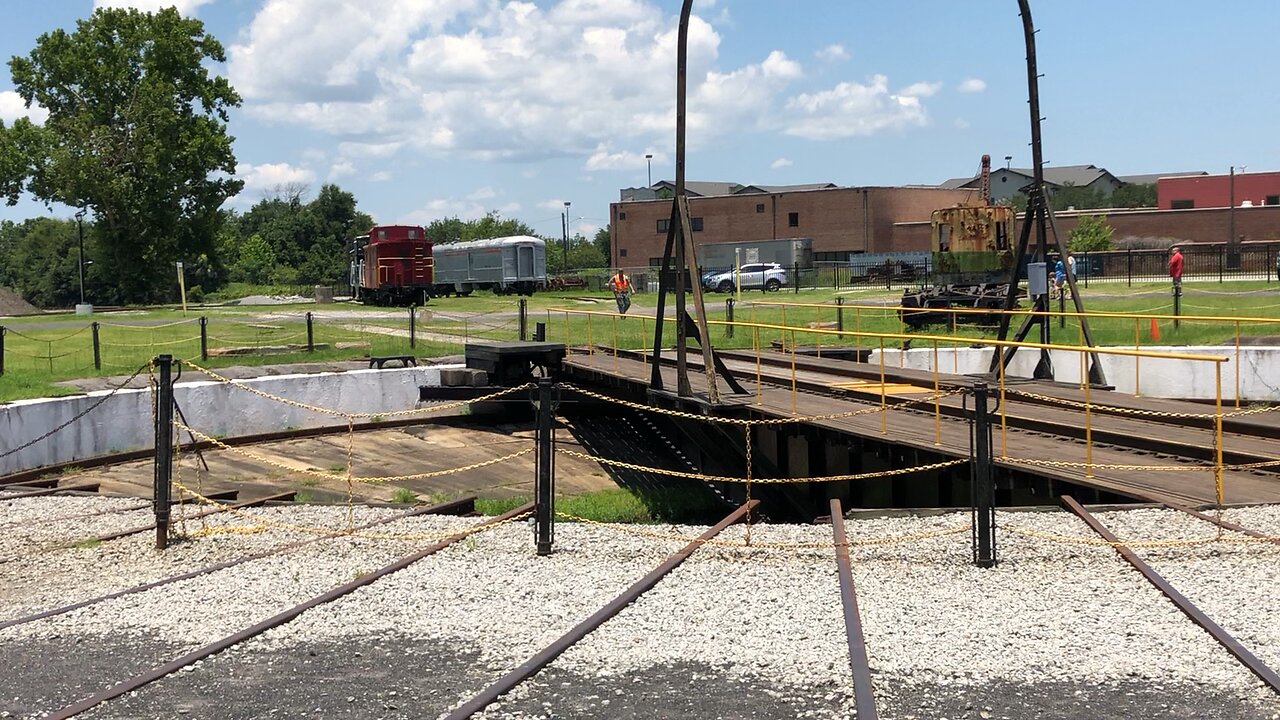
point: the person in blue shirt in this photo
(1059, 277)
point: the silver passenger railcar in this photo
(504, 265)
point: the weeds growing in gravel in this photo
(405, 496)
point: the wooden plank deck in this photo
(916, 428)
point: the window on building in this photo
(793, 219)
(696, 223)
(1272, 200)
(831, 257)
(622, 216)
(759, 207)
(622, 252)
(655, 262)
(663, 225)
(1182, 204)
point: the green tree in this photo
(256, 261)
(1091, 233)
(1078, 197)
(40, 257)
(136, 132)
(1132, 195)
(492, 225)
(603, 242)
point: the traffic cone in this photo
(1155, 330)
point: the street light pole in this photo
(80, 232)
(648, 159)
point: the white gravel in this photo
(1051, 611)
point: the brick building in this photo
(1253, 224)
(1207, 191)
(840, 220)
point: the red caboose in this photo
(392, 265)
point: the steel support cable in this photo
(598, 618)
(207, 570)
(84, 412)
(1251, 661)
(160, 671)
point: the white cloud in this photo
(833, 53)
(852, 109)
(486, 80)
(12, 107)
(484, 193)
(603, 159)
(781, 163)
(341, 169)
(462, 208)
(921, 89)
(960, 123)
(272, 175)
(972, 85)
(185, 7)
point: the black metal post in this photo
(524, 319)
(164, 449)
(204, 338)
(840, 314)
(1130, 255)
(1062, 307)
(984, 490)
(311, 338)
(80, 233)
(540, 332)
(1177, 303)
(795, 275)
(413, 326)
(97, 347)
(728, 314)
(1221, 256)
(544, 495)
(3, 330)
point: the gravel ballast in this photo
(1060, 628)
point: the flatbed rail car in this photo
(504, 265)
(392, 265)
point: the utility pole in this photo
(564, 230)
(80, 230)
(648, 158)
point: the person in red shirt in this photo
(1175, 268)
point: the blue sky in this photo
(431, 108)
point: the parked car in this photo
(768, 276)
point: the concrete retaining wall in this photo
(123, 422)
(1258, 370)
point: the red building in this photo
(1206, 191)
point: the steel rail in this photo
(1251, 661)
(136, 455)
(205, 513)
(863, 694)
(1224, 524)
(531, 666)
(461, 506)
(91, 487)
(277, 620)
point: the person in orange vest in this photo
(1175, 269)
(621, 285)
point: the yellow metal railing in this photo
(790, 333)
(1137, 317)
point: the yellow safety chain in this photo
(770, 421)
(262, 523)
(748, 480)
(372, 480)
(344, 414)
(1188, 467)
(1134, 411)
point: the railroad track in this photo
(157, 672)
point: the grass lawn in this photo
(43, 349)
